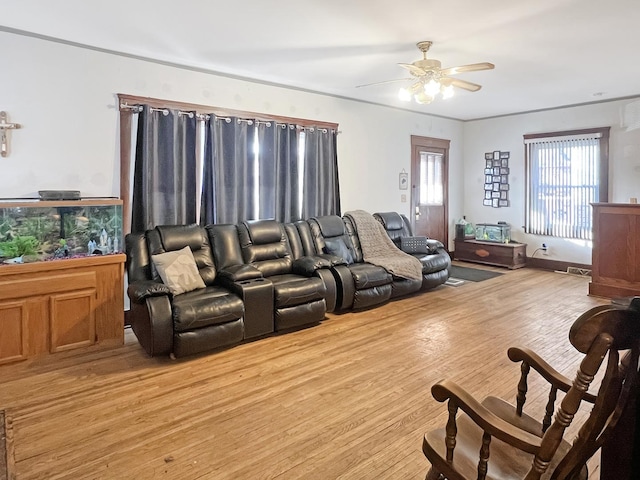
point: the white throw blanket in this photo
(378, 249)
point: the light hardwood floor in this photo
(349, 398)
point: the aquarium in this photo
(35, 231)
(493, 232)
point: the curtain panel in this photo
(320, 183)
(165, 169)
(230, 173)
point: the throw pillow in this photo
(337, 247)
(416, 244)
(178, 270)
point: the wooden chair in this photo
(495, 440)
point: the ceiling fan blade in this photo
(472, 87)
(386, 81)
(467, 68)
(417, 71)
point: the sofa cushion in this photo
(391, 221)
(338, 247)
(178, 270)
(204, 307)
(290, 289)
(331, 226)
(366, 275)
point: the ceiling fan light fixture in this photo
(447, 91)
(404, 94)
(432, 88)
(422, 98)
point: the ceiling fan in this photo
(430, 78)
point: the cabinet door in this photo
(13, 325)
(73, 322)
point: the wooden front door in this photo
(429, 167)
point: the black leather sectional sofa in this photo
(261, 277)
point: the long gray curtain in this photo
(230, 176)
(165, 169)
(288, 188)
(320, 183)
(267, 164)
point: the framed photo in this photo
(504, 178)
(488, 179)
(495, 194)
(488, 186)
(496, 155)
(504, 162)
(487, 194)
(488, 163)
(496, 170)
(488, 156)
(488, 171)
(504, 195)
(486, 203)
(496, 187)
(496, 179)
(503, 171)
(504, 155)
(495, 203)
(503, 186)
(403, 180)
(496, 163)
(503, 203)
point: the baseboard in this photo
(545, 264)
(553, 265)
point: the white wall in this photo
(506, 134)
(65, 98)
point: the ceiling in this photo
(547, 53)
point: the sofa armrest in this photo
(333, 259)
(152, 323)
(139, 291)
(239, 273)
(308, 265)
(434, 244)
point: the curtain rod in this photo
(203, 117)
(208, 109)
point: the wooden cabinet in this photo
(511, 255)
(615, 262)
(49, 307)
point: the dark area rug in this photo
(471, 274)
(4, 475)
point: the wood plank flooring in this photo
(347, 399)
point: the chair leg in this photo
(433, 474)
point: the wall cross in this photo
(4, 126)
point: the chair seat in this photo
(505, 461)
(366, 275)
(291, 289)
(507, 412)
(205, 307)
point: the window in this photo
(566, 172)
(431, 177)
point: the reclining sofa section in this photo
(259, 277)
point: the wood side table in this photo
(511, 255)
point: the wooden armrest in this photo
(447, 390)
(550, 374)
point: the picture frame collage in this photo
(496, 179)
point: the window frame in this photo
(603, 167)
